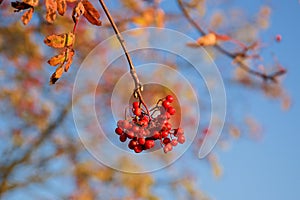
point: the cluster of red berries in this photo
(143, 129)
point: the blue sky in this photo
(268, 169)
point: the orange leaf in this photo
(58, 59)
(31, 2)
(51, 7)
(26, 17)
(78, 10)
(61, 7)
(56, 75)
(70, 55)
(91, 14)
(207, 40)
(60, 41)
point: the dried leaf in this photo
(91, 14)
(60, 41)
(19, 6)
(78, 10)
(56, 75)
(32, 3)
(61, 7)
(207, 40)
(51, 7)
(70, 54)
(26, 17)
(58, 59)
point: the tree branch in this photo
(234, 56)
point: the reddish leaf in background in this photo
(91, 14)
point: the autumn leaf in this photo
(58, 59)
(70, 53)
(57, 74)
(19, 6)
(61, 7)
(26, 17)
(51, 7)
(207, 40)
(60, 40)
(91, 14)
(78, 10)
(32, 3)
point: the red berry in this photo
(120, 123)
(168, 116)
(166, 104)
(166, 141)
(149, 144)
(135, 104)
(141, 141)
(171, 110)
(135, 129)
(181, 139)
(138, 148)
(132, 144)
(278, 38)
(164, 134)
(119, 131)
(170, 98)
(174, 142)
(123, 138)
(156, 135)
(137, 111)
(168, 126)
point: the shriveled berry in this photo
(174, 142)
(118, 131)
(168, 147)
(170, 98)
(130, 134)
(171, 110)
(181, 139)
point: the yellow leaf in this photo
(61, 7)
(51, 7)
(26, 17)
(60, 40)
(91, 14)
(207, 40)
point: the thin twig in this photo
(133, 73)
(233, 56)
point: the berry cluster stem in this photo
(133, 73)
